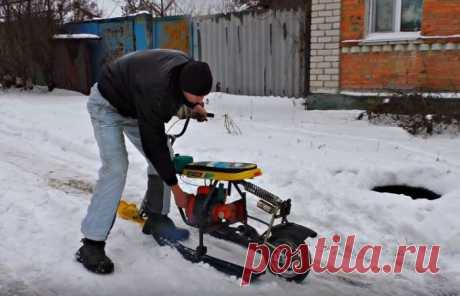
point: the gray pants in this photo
(109, 127)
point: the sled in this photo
(219, 209)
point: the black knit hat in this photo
(196, 78)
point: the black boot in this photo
(92, 256)
(162, 227)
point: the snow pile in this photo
(76, 36)
(326, 161)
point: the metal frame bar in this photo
(201, 248)
(274, 200)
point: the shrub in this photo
(418, 114)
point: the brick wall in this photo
(441, 17)
(325, 46)
(415, 70)
(353, 19)
(430, 63)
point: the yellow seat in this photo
(221, 171)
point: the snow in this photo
(382, 37)
(393, 36)
(398, 36)
(352, 40)
(440, 36)
(438, 95)
(76, 36)
(139, 13)
(326, 161)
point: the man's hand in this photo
(199, 113)
(179, 196)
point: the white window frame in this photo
(396, 34)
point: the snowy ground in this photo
(326, 161)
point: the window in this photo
(394, 16)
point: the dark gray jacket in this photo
(145, 85)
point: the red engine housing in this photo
(219, 211)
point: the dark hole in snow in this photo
(413, 192)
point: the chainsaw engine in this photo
(211, 209)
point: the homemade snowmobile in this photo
(211, 211)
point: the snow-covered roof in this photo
(139, 12)
(76, 36)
